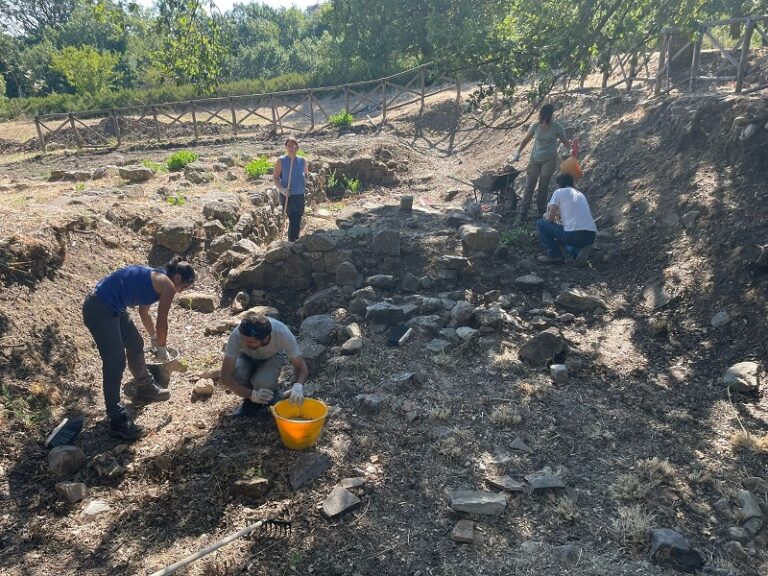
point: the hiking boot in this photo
(151, 392)
(547, 259)
(249, 409)
(65, 433)
(583, 258)
(124, 428)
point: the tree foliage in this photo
(86, 69)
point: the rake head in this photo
(274, 528)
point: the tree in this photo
(86, 69)
(32, 17)
(192, 50)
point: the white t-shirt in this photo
(574, 210)
(282, 341)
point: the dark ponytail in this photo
(546, 113)
(184, 269)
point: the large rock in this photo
(543, 347)
(320, 328)
(197, 301)
(318, 242)
(478, 238)
(462, 314)
(64, 461)
(223, 243)
(385, 313)
(324, 301)
(478, 502)
(670, 547)
(386, 243)
(579, 301)
(426, 325)
(492, 317)
(457, 218)
(135, 174)
(72, 491)
(177, 235)
(225, 209)
(308, 468)
(252, 487)
(743, 377)
(347, 275)
(381, 281)
(314, 355)
(529, 282)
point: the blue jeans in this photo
(295, 211)
(555, 238)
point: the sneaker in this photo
(65, 433)
(583, 258)
(124, 428)
(249, 409)
(151, 393)
(546, 259)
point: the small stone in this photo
(385, 313)
(338, 502)
(689, 219)
(738, 534)
(670, 547)
(381, 281)
(438, 346)
(463, 532)
(518, 444)
(543, 347)
(72, 491)
(529, 282)
(478, 502)
(203, 388)
(308, 468)
(755, 484)
(559, 373)
(566, 318)
(505, 483)
(369, 403)
(410, 283)
(547, 299)
(531, 547)
(579, 301)
(574, 364)
(736, 551)
(720, 319)
(252, 487)
(543, 481)
(743, 377)
(95, 508)
(567, 553)
(64, 461)
(352, 346)
(352, 483)
(465, 333)
(197, 301)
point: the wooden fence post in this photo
(116, 124)
(157, 122)
(423, 81)
(744, 55)
(632, 70)
(311, 111)
(234, 117)
(695, 62)
(664, 40)
(458, 90)
(194, 119)
(74, 129)
(346, 98)
(383, 100)
(40, 133)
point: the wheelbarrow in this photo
(494, 190)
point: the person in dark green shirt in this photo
(543, 163)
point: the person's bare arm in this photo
(167, 292)
(146, 320)
(227, 379)
(300, 370)
(553, 212)
(525, 141)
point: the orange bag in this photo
(570, 165)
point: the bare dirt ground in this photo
(645, 435)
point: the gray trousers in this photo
(537, 173)
(117, 339)
(257, 374)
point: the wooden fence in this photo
(298, 110)
(657, 65)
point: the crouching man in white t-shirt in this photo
(253, 358)
(576, 233)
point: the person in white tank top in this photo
(576, 231)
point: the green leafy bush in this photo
(258, 167)
(177, 199)
(518, 236)
(353, 185)
(341, 120)
(178, 160)
(334, 185)
(155, 166)
(301, 153)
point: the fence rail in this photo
(656, 65)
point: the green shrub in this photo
(518, 236)
(334, 185)
(178, 160)
(177, 199)
(301, 153)
(258, 167)
(341, 120)
(155, 166)
(353, 185)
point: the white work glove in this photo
(262, 396)
(161, 353)
(153, 342)
(516, 157)
(296, 393)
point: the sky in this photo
(225, 5)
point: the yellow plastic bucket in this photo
(300, 425)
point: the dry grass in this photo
(636, 485)
(753, 443)
(566, 509)
(506, 415)
(534, 390)
(440, 414)
(632, 525)
(448, 447)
